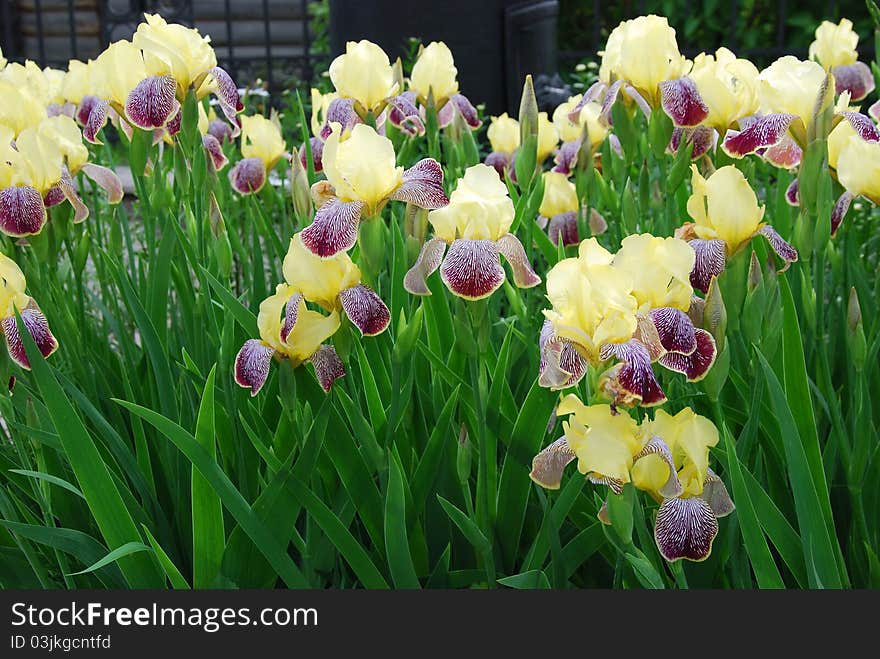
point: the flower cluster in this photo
(667, 457)
(42, 150)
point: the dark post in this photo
(495, 42)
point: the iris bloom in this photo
(571, 131)
(791, 94)
(262, 147)
(289, 330)
(835, 49)
(858, 170)
(476, 228)
(504, 136)
(435, 76)
(334, 284)
(641, 59)
(13, 298)
(667, 457)
(361, 169)
(214, 132)
(858, 174)
(559, 209)
(146, 79)
(726, 217)
(727, 86)
(631, 306)
(36, 172)
(320, 108)
(364, 79)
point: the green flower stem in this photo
(372, 246)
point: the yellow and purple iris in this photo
(631, 306)
(559, 209)
(363, 176)
(476, 228)
(668, 457)
(145, 80)
(726, 217)
(642, 60)
(290, 330)
(365, 83)
(36, 170)
(262, 146)
(13, 298)
(572, 127)
(835, 49)
(434, 75)
(728, 87)
(504, 137)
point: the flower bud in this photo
(715, 314)
(300, 190)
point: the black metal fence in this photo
(272, 40)
(269, 40)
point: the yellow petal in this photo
(320, 280)
(479, 208)
(660, 269)
(363, 73)
(560, 195)
(604, 442)
(503, 134)
(362, 166)
(261, 138)
(435, 72)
